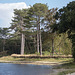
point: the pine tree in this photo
(48, 21)
(38, 11)
(20, 24)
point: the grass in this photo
(68, 65)
(66, 72)
(9, 58)
(69, 68)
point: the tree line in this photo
(40, 30)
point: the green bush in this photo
(46, 53)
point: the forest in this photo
(40, 30)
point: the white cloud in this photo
(6, 12)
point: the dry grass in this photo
(10, 58)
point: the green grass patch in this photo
(66, 72)
(68, 65)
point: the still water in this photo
(24, 69)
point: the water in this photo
(24, 69)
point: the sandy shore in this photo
(33, 62)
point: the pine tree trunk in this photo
(59, 49)
(40, 44)
(52, 47)
(22, 44)
(3, 44)
(34, 42)
(38, 39)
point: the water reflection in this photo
(23, 69)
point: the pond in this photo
(24, 69)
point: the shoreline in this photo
(53, 65)
(33, 62)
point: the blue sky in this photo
(7, 6)
(51, 3)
